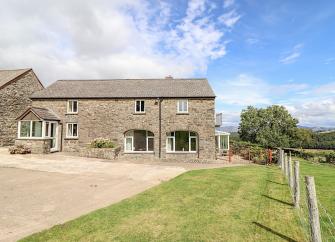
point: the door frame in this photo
(56, 148)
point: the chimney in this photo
(169, 77)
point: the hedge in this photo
(323, 156)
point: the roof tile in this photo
(127, 88)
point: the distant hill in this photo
(229, 129)
(318, 129)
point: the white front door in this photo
(54, 136)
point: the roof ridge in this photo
(21, 69)
(135, 79)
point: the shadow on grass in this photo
(277, 200)
(276, 182)
(274, 232)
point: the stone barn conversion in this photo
(16, 87)
(161, 118)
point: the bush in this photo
(330, 157)
(19, 149)
(102, 143)
(254, 152)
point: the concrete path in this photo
(39, 191)
(48, 190)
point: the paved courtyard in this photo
(39, 191)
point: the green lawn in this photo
(324, 175)
(231, 204)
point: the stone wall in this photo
(37, 146)
(14, 100)
(109, 118)
(102, 153)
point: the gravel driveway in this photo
(39, 191)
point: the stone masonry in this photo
(14, 100)
(111, 118)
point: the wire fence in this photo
(303, 211)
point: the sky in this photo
(253, 52)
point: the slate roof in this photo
(128, 88)
(42, 113)
(8, 75)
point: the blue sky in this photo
(253, 52)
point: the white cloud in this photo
(330, 60)
(228, 3)
(319, 112)
(292, 56)
(312, 105)
(252, 41)
(244, 90)
(230, 18)
(108, 39)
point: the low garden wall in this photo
(37, 146)
(102, 153)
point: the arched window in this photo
(139, 141)
(182, 141)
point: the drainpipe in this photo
(160, 127)
(61, 137)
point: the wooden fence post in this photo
(289, 173)
(296, 184)
(313, 209)
(286, 165)
(230, 154)
(282, 161)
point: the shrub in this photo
(19, 149)
(256, 153)
(102, 143)
(330, 157)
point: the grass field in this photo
(324, 175)
(249, 203)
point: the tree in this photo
(270, 127)
(303, 138)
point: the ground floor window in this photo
(72, 130)
(30, 129)
(139, 140)
(181, 141)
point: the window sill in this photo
(139, 152)
(186, 113)
(32, 138)
(71, 138)
(181, 152)
(71, 113)
(143, 113)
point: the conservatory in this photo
(221, 141)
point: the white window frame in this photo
(140, 106)
(47, 131)
(67, 131)
(30, 130)
(189, 142)
(68, 106)
(183, 106)
(132, 143)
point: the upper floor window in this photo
(139, 106)
(72, 106)
(71, 130)
(182, 106)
